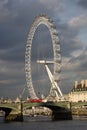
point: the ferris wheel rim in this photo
(42, 19)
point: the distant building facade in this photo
(79, 92)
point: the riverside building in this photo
(79, 92)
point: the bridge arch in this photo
(58, 112)
(6, 110)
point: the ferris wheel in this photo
(54, 78)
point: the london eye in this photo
(55, 77)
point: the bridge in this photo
(60, 111)
(14, 112)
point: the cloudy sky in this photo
(16, 17)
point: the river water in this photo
(75, 124)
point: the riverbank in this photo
(79, 112)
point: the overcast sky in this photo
(16, 17)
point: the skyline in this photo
(16, 17)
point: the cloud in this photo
(80, 21)
(75, 67)
(12, 79)
(69, 40)
(7, 82)
(55, 5)
(83, 3)
(13, 55)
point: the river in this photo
(75, 124)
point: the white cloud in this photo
(8, 81)
(3, 11)
(76, 53)
(80, 21)
(70, 66)
(54, 5)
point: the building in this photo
(79, 92)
